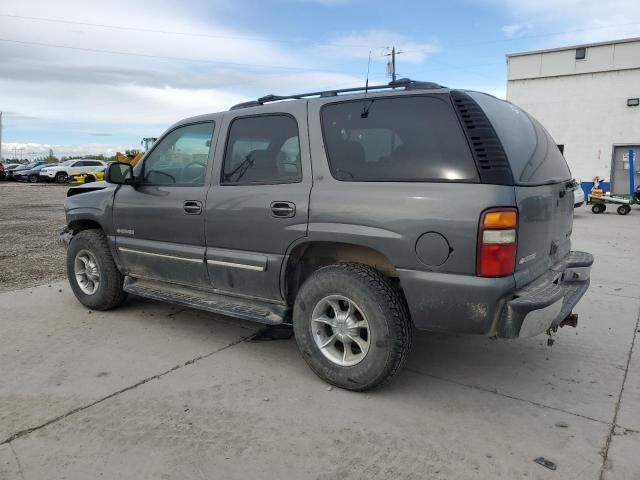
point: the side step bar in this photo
(245, 309)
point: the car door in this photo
(258, 203)
(92, 165)
(159, 225)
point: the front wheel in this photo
(352, 326)
(598, 208)
(61, 177)
(624, 209)
(93, 274)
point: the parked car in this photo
(17, 172)
(31, 175)
(346, 214)
(578, 196)
(1, 171)
(61, 172)
(8, 170)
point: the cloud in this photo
(576, 21)
(379, 43)
(68, 72)
(18, 116)
(35, 150)
(100, 134)
(516, 29)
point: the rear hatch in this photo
(543, 188)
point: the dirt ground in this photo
(31, 217)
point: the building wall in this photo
(583, 103)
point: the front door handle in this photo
(192, 207)
(283, 209)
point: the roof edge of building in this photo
(572, 47)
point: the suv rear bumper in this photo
(546, 301)
(453, 303)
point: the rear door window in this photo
(534, 157)
(262, 150)
(411, 138)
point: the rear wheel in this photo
(598, 208)
(352, 326)
(61, 177)
(93, 275)
(33, 179)
(624, 209)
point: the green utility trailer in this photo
(599, 202)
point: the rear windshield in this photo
(533, 155)
(411, 138)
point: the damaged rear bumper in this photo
(547, 302)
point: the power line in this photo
(145, 55)
(190, 34)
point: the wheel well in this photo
(309, 257)
(80, 225)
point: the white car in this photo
(60, 173)
(578, 196)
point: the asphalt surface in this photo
(154, 391)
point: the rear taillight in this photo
(497, 240)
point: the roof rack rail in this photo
(405, 83)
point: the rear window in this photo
(533, 155)
(415, 138)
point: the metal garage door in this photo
(620, 170)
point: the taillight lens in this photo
(497, 241)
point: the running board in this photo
(246, 309)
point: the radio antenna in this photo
(366, 85)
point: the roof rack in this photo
(405, 83)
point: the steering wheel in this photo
(191, 164)
(200, 164)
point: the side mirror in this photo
(119, 173)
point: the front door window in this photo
(181, 158)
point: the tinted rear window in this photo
(533, 155)
(415, 138)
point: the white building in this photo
(587, 97)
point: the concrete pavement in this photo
(154, 391)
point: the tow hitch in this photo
(570, 320)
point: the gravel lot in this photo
(154, 391)
(31, 217)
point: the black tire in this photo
(89, 179)
(61, 177)
(624, 209)
(33, 179)
(385, 309)
(598, 208)
(109, 293)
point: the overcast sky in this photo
(96, 77)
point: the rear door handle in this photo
(283, 209)
(192, 207)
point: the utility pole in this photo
(391, 67)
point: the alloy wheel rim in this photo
(87, 272)
(340, 330)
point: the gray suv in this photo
(353, 215)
